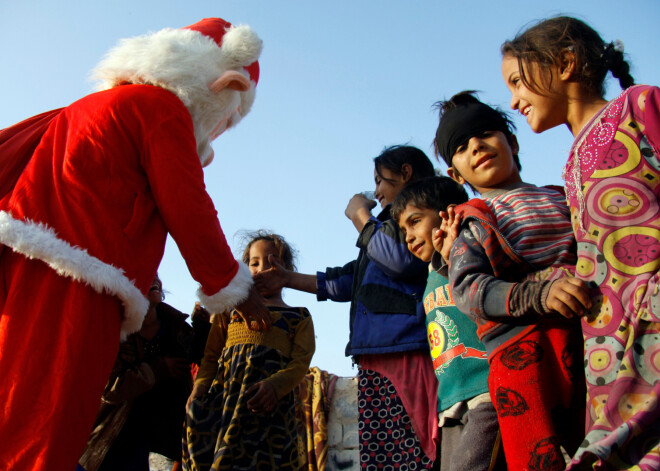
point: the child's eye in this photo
(461, 148)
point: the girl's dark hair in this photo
(392, 158)
(464, 98)
(287, 253)
(434, 193)
(545, 43)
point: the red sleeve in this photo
(176, 178)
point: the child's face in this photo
(485, 162)
(259, 252)
(388, 185)
(417, 225)
(542, 112)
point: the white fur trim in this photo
(186, 62)
(38, 241)
(234, 293)
(242, 44)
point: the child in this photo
(388, 336)
(143, 404)
(508, 270)
(555, 72)
(469, 432)
(241, 412)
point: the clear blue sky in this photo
(339, 81)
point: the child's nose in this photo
(514, 102)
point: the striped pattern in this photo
(537, 224)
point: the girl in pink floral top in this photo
(555, 72)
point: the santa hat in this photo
(187, 61)
(234, 42)
(178, 59)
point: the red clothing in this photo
(114, 173)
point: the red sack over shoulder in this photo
(17, 144)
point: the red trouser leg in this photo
(58, 343)
(538, 392)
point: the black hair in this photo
(545, 43)
(394, 157)
(434, 193)
(287, 253)
(465, 98)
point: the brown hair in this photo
(286, 252)
(545, 43)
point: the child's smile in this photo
(485, 162)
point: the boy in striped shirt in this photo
(510, 270)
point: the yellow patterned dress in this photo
(221, 433)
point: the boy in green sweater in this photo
(469, 430)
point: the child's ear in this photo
(454, 175)
(566, 64)
(515, 147)
(406, 173)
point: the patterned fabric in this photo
(537, 223)
(313, 396)
(612, 185)
(387, 440)
(535, 423)
(221, 432)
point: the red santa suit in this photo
(82, 233)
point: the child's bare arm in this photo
(278, 277)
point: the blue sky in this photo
(339, 81)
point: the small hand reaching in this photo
(272, 280)
(569, 296)
(264, 398)
(199, 390)
(444, 237)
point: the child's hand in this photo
(263, 398)
(200, 313)
(199, 390)
(254, 309)
(271, 281)
(359, 210)
(444, 237)
(569, 296)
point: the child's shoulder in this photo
(292, 313)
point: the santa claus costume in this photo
(88, 195)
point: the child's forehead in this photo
(412, 209)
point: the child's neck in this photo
(275, 300)
(581, 110)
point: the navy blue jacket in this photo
(385, 286)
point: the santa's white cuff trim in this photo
(234, 293)
(38, 241)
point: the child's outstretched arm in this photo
(278, 277)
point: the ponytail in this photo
(613, 61)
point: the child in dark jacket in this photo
(511, 270)
(469, 431)
(388, 337)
